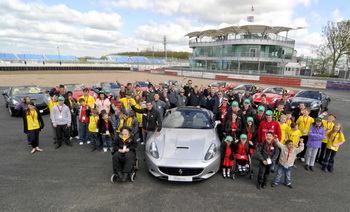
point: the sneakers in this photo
(142, 143)
(88, 142)
(311, 168)
(81, 143)
(263, 185)
(111, 149)
(306, 167)
(274, 184)
(324, 169)
(70, 138)
(239, 168)
(302, 159)
(228, 174)
(76, 137)
(290, 186)
(243, 169)
(104, 149)
(258, 186)
(93, 149)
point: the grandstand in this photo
(8, 56)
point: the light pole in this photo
(153, 55)
(59, 55)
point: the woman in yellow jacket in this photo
(33, 123)
(335, 139)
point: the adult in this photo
(235, 109)
(247, 109)
(181, 99)
(195, 98)
(160, 105)
(89, 100)
(297, 112)
(164, 94)
(102, 103)
(148, 95)
(259, 116)
(265, 103)
(212, 101)
(188, 87)
(269, 125)
(247, 95)
(231, 96)
(286, 106)
(61, 121)
(151, 121)
(173, 93)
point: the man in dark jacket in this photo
(151, 121)
(267, 152)
(212, 101)
(195, 98)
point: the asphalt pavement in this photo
(75, 179)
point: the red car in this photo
(77, 90)
(143, 85)
(224, 85)
(273, 94)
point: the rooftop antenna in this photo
(251, 17)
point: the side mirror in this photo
(216, 123)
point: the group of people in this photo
(118, 122)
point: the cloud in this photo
(336, 16)
(60, 13)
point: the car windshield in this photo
(191, 119)
(109, 85)
(74, 87)
(216, 84)
(309, 94)
(274, 90)
(142, 84)
(25, 90)
(242, 87)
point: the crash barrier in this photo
(284, 81)
(338, 85)
(157, 71)
(63, 68)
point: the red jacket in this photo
(265, 126)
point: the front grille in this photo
(181, 171)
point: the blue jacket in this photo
(316, 136)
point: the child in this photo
(106, 131)
(227, 156)
(316, 134)
(328, 125)
(233, 126)
(242, 149)
(251, 130)
(284, 129)
(83, 115)
(94, 131)
(294, 134)
(278, 111)
(304, 122)
(335, 139)
(120, 122)
(133, 124)
(286, 161)
(33, 123)
(289, 120)
(267, 152)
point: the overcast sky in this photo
(100, 27)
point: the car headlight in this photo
(314, 105)
(211, 152)
(153, 150)
(14, 101)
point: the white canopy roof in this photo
(242, 27)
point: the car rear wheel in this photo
(11, 111)
(319, 111)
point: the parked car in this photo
(273, 94)
(225, 86)
(252, 88)
(177, 83)
(77, 90)
(143, 85)
(14, 95)
(188, 147)
(317, 101)
(112, 86)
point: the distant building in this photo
(247, 47)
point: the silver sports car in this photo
(188, 147)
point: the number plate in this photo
(180, 178)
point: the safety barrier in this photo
(310, 83)
(280, 81)
(338, 85)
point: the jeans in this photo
(95, 140)
(146, 135)
(322, 151)
(287, 172)
(107, 141)
(311, 156)
(328, 160)
(83, 131)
